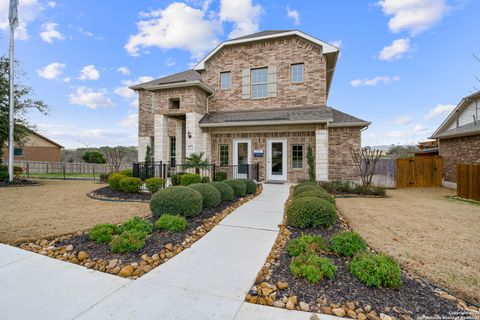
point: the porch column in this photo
(179, 136)
(321, 153)
(207, 145)
(143, 142)
(161, 138)
(195, 142)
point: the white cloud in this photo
(337, 43)
(124, 70)
(402, 120)
(439, 110)
(89, 73)
(125, 91)
(414, 16)
(243, 14)
(170, 63)
(374, 81)
(395, 50)
(294, 15)
(90, 98)
(129, 121)
(420, 128)
(52, 71)
(67, 79)
(29, 10)
(49, 32)
(176, 26)
(51, 4)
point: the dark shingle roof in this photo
(465, 130)
(261, 34)
(184, 76)
(342, 117)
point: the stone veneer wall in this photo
(276, 52)
(340, 140)
(456, 151)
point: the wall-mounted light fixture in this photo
(189, 135)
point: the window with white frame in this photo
(297, 156)
(259, 82)
(225, 80)
(223, 155)
(173, 150)
(297, 72)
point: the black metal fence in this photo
(159, 169)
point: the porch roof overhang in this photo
(197, 83)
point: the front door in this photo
(241, 158)
(277, 160)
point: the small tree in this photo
(197, 161)
(365, 161)
(93, 157)
(311, 164)
(148, 162)
(115, 157)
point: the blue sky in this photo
(403, 64)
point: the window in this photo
(259, 83)
(223, 155)
(297, 72)
(17, 152)
(225, 80)
(297, 156)
(173, 150)
(174, 104)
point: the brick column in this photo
(161, 138)
(196, 143)
(321, 154)
(179, 136)
(143, 142)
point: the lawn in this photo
(436, 237)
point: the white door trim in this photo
(284, 176)
(237, 174)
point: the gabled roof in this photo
(45, 138)
(465, 130)
(184, 76)
(261, 34)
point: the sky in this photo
(404, 64)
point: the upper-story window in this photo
(225, 80)
(259, 83)
(174, 103)
(297, 72)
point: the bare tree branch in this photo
(365, 161)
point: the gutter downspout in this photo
(208, 98)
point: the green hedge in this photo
(211, 196)
(251, 186)
(114, 180)
(176, 200)
(311, 212)
(126, 172)
(220, 176)
(176, 178)
(376, 270)
(130, 185)
(226, 192)
(318, 193)
(306, 187)
(239, 187)
(312, 267)
(172, 223)
(347, 243)
(190, 178)
(154, 184)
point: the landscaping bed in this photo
(339, 292)
(19, 183)
(107, 193)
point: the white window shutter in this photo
(272, 81)
(246, 84)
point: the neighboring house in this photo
(459, 136)
(260, 98)
(35, 148)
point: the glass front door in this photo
(241, 158)
(277, 167)
(277, 158)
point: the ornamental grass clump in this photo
(175, 200)
(347, 243)
(102, 233)
(172, 223)
(311, 212)
(154, 184)
(304, 244)
(251, 185)
(312, 267)
(376, 270)
(211, 196)
(239, 187)
(226, 192)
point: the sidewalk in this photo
(207, 281)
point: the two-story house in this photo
(260, 98)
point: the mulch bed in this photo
(106, 193)
(19, 183)
(153, 244)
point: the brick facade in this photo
(456, 151)
(341, 165)
(37, 153)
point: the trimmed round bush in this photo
(190, 178)
(312, 267)
(172, 223)
(303, 188)
(226, 192)
(176, 200)
(239, 187)
(102, 233)
(127, 172)
(130, 185)
(154, 184)
(308, 183)
(347, 243)
(128, 241)
(211, 196)
(318, 193)
(220, 176)
(205, 179)
(251, 186)
(114, 180)
(304, 244)
(136, 224)
(310, 212)
(176, 178)
(376, 270)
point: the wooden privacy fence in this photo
(468, 181)
(385, 173)
(422, 172)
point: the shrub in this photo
(104, 177)
(128, 241)
(172, 223)
(93, 157)
(373, 191)
(190, 178)
(305, 243)
(211, 196)
(306, 183)
(176, 178)
(205, 179)
(226, 192)
(306, 187)
(176, 200)
(239, 187)
(347, 243)
(337, 186)
(312, 267)
(3, 175)
(154, 184)
(114, 180)
(130, 185)
(251, 186)
(127, 172)
(220, 176)
(316, 193)
(376, 270)
(310, 212)
(136, 224)
(102, 233)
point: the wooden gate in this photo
(468, 181)
(422, 172)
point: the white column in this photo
(179, 141)
(321, 154)
(161, 138)
(194, 143)
(143, 142)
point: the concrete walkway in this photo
(207, 281)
